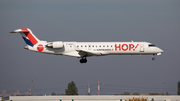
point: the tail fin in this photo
(28, 36)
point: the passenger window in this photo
(81, 46)
(107, 46)
(100, 46)
(85, 45)
(77, 45)
(103, 45)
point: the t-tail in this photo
(28, 36)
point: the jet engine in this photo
(56, 44)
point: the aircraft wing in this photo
(86, 53)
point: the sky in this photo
(154, 21)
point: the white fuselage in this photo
(101, 48)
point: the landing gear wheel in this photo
(83, 60)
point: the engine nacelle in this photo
(56, 44)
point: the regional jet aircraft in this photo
(86, 49)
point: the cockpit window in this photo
(151, 45)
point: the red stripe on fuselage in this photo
(30, 36)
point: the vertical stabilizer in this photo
(28, 36)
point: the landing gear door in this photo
(141, 48)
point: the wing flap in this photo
(86, 53)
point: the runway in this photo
(92, 98)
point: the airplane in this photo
(86, 49)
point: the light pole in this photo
(32, 88)
(30, 92)
(163, 86)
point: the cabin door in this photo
(141, 48)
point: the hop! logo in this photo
(126, 47)
(40, 47)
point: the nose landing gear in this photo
(153, 57)
(83, 60)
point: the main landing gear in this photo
(153, 57)
(83, 60)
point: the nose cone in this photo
(159, 51)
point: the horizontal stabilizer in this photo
(19, 31)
